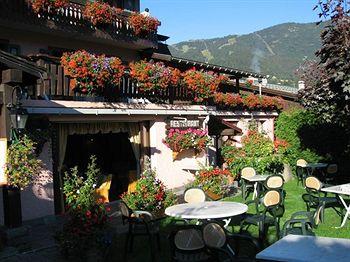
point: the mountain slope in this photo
(276, 51)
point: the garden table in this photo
(339, 191)
(207, 210)
(297, 248)
(312, 167)
(256, 179)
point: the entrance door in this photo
(114, 156)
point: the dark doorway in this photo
(114, 156)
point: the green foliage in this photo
(257, 151)
(287, 127)
(150, 194)
(22, 164)
(86, 215)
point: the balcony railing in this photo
(57, 86)
(70, 20)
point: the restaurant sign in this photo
(184, 123)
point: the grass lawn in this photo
(293, 203)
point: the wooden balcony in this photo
(69, 23)
(55, 85)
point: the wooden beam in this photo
(12, 76)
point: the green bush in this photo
(258, 151)
(288, 126)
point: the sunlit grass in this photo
(293, 203)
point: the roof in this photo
(193, 63)
(17, 62)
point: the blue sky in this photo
(198, 19)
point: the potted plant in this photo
(151, 76)
(143, 25)
(100, 13)
(150, 195)
(179, 140)
(21, 168)
(214, 181)
(86, 215)
(92, 74)
(48, 6)
(202, 84)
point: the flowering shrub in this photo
(212, 179)
(41, 6)
(98, 12)
(202, 84)
(150, 194)
(179, 140)
(143, 25)
(251, 102)
(154, 76)
(257, 151)
(22, 164)
(87, 216)
(92, 73)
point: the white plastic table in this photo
(207, 210)
(340, 190)
(256, 179)
(296, 248)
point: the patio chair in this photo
(331, 173)
(225, 246)
(141, 223)
(268, 212)
(194, 195)
(186, 244)
(247, 186)
(315, 196)
(275, 182)
(301, 171)
(303, 222)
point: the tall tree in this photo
(327, 89)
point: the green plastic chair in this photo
(268, 211)
(303, 222)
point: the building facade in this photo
(122, 130)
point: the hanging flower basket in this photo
(181, 140)
(91, 74)
(143, 25)
(203, 85)
(48, 6)
(100, 13)
(151, 76)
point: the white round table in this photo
(207, 210)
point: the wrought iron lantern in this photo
(18, 114)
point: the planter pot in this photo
(287, 172)
(213, 196)
(12, 207)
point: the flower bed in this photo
(45, 6)
(99, 13)
(250, 102)
(154, 76)
(150, 195)
(143, 25)
(180, 140)
(92, 73)
(202, 84)
(213, 180)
